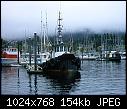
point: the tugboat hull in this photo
(62, 65)
(62, 74)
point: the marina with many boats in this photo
(66, 58)
(58, 56)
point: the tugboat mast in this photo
(59, 41)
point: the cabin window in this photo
(15, 50)
(91, 54)
(12, 50)
(38, 56)
(44, 56)
(61, 48)
(49, 56)
(57, 49)
(65, 49)
(123, 54)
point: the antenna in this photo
(59, 29)
(60, 5)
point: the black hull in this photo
(114, 59)
(62, 65)
(117, 58)
(113, 56)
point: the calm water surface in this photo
(96, 78)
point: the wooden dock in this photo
(31, 69)
(34, 71)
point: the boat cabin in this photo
(10, 53)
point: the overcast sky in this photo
(16, 16)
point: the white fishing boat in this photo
(88, 56)
(123, 55)
(43, 55)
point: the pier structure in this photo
(33, 68)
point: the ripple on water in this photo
(96, 78)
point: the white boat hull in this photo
(9, 62)
(87, 57)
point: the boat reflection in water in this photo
(63, 85)
(59, 85)
(16, 81)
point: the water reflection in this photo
(10, 71)
(10, 80)
(59, 86)
(63, 85)
(30, 86)
(35, 84)
(95, 77)
(18, 82)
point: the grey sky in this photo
(16, 16)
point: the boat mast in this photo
(72, 43)
(44, 35)
(46, 27)
(25, 43)
(41, 31)
(59, 30)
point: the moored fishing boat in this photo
(123, 55)
(9, 57)
(113, 56)
(110, 56)
(88, 56)
(62, 62)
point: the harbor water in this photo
(96, 78)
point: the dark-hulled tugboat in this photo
(62, 62)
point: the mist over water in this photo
(98, 16)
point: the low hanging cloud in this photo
(18, 16)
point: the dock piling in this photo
(30, 51)
(35, 51)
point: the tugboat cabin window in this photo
(91, 54)
(44, 56)
(65, 49)
(57, 49)
(61, 48)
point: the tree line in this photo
(84, 39)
